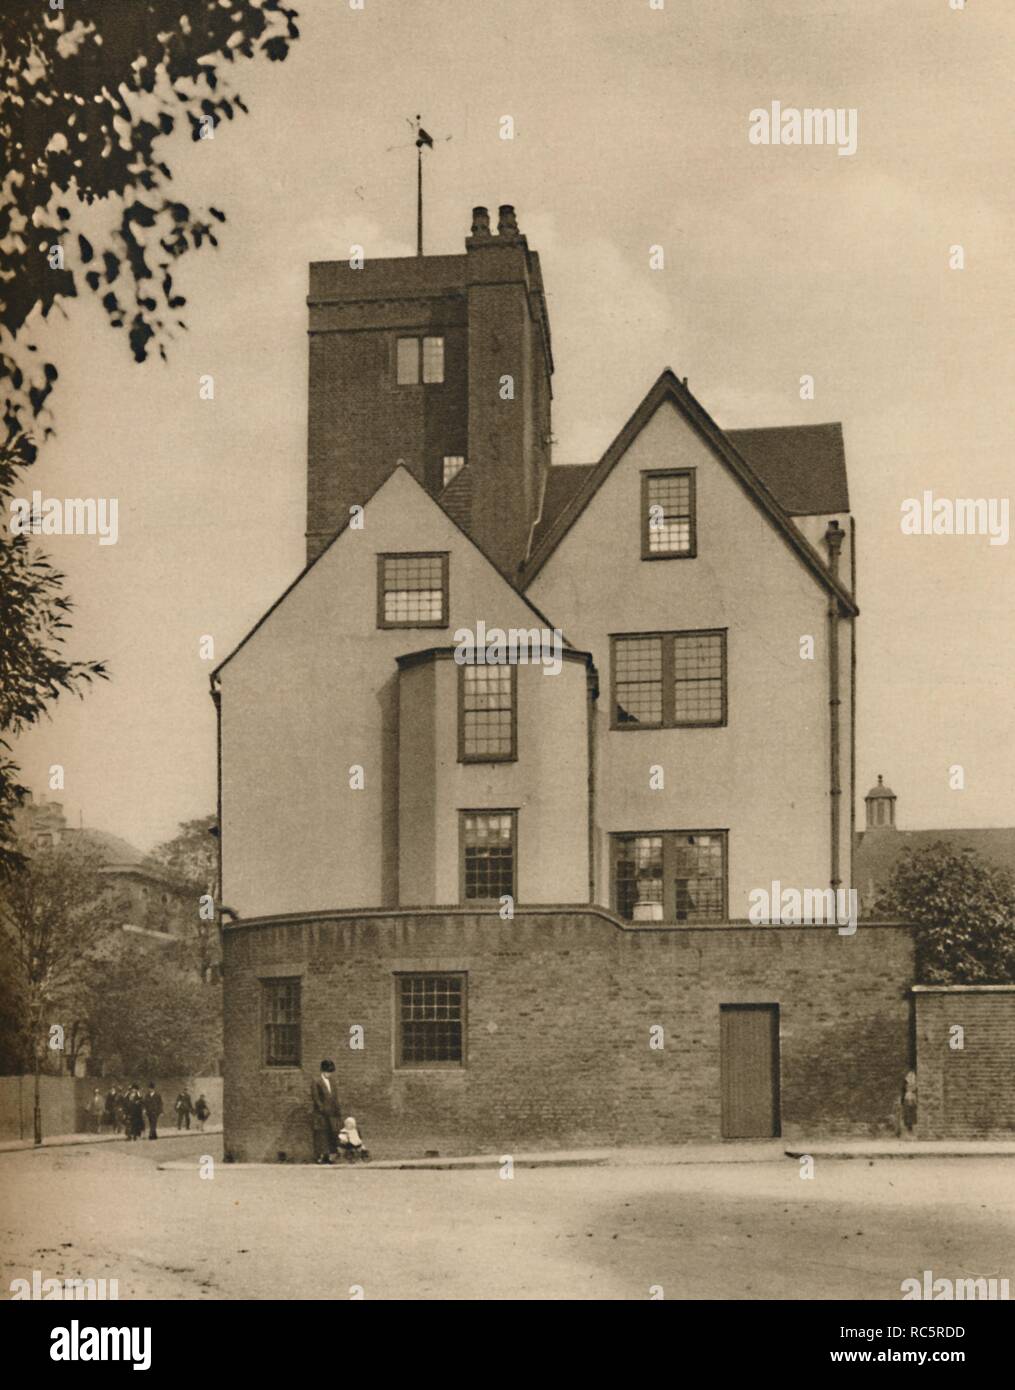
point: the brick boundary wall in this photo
(967, 1092)
(560, 1003)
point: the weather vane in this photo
(423, 141)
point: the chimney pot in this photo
(507, 223)
(481, 222)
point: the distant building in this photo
(881, 844)
(150, 902)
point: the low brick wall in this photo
(560, 1007)
(965, 1092)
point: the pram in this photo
(350, 1143)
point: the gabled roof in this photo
(438, 503)
(667, 388)
(803, 466)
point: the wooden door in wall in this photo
(749, 1070)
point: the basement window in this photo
(412, 590)
(431, 1020)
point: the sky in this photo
(630, 132)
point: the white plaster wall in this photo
(764, 777)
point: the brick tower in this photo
(444, 363)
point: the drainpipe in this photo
(592, 694)
(833, 539)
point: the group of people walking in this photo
(129, 1110)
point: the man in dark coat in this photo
(134, 1113)
(184, 1109)
(153, 1109)
(327, 1113)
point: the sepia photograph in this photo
(507, 775)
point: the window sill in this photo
(633, 728)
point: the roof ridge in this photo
(667, 386)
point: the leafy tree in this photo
(191, 857)
(92, 92)
(33, 669)
(54, 920)
(192, 854)
(963, 909)
(150, 1015)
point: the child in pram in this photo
(350, 1144)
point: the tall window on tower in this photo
(412, 590)
(488, 855)
(419, 359)
(486, 713)
(668, 530)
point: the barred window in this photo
(453, 465)
(413, 591)
(667, 680)
(486, 725)
(433, 360)
(282, 1014)
(408, 361)
(488, 855)
(672, 875)
(431, 1020)
(668, 520)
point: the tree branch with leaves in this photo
(92, 94)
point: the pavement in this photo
(59, 1141)
(673, 1155)
(629, 1224)
(739, 1151)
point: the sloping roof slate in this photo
(876, 852)
(803, 466)
(562, 483)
